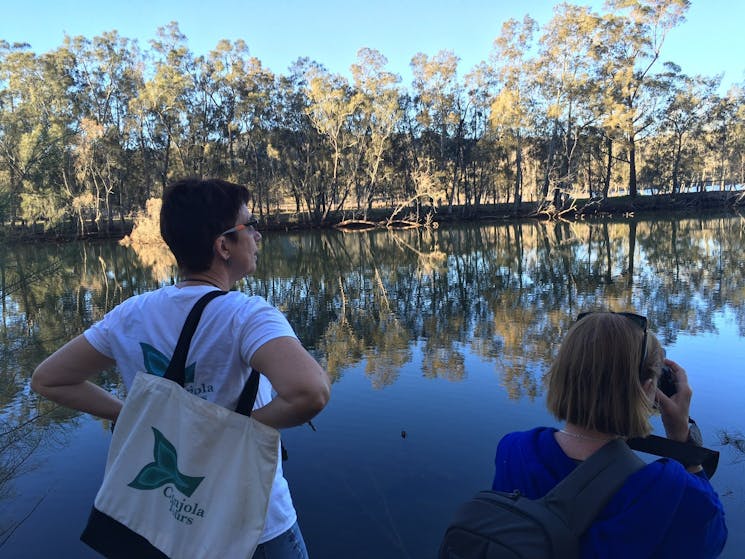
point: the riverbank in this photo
(609, 208)
(622, 207)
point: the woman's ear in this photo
(221, 248)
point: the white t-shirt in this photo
(141, 334)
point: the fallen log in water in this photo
(354, 225)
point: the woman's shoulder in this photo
(535, 446)
(150, 298)
(244, 305)
(538, 436)
(672, 471)
(530, 434)
(666, 480)
(251, 315)
(530, 461)
(684, 509)
(136, 303)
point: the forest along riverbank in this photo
(617, 207)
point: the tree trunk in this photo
(676, 165)
(549, 160)
(632, 167)
(608, 166)
(518, 173)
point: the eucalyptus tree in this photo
(18, 149)
(482, 158)
(241, 98)
(226, 65)
(470, 156)
(737, 157)
(378, 117)
(405, 161)
(435, 89)
(564, 78)
(628, 47)
(297, 150)
(720, 140)
(512, 114)
(199, 119)
(35, 123)
(684, 115)
(255, 117)
(335, 109)
(107, 76)
(162, 105)
(438, 104)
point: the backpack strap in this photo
(175, 371)
(580, 496)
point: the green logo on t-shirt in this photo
(156, 363)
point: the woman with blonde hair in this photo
(604, 386)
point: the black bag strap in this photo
(176, 372)
(248, 394)
(686, 453)
(580, 496)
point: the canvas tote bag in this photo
(184, 478)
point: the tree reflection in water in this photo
(503, 294)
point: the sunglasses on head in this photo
(250, 225)
(639, 320)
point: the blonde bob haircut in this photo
(595, 381)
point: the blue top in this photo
(661, 511)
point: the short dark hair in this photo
(193, 214)
(595, 383)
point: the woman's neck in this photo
(201, 279)
(571, 430)
(579, 443)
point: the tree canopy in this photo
(582, 107)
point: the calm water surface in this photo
(437, 342)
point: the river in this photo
(437, 341)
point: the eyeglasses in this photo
(639, 320)
(250, 225)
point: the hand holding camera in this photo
(684, 442)
(666, 382)
(674, 400)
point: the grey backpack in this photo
(495, 524)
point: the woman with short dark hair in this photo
(210, 231)
(604, 385)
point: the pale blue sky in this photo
(277, 32)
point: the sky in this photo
(277, 32)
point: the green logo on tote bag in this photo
(164, 469)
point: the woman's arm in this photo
(63, 378)
(303, 387)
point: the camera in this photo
(666, 382)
